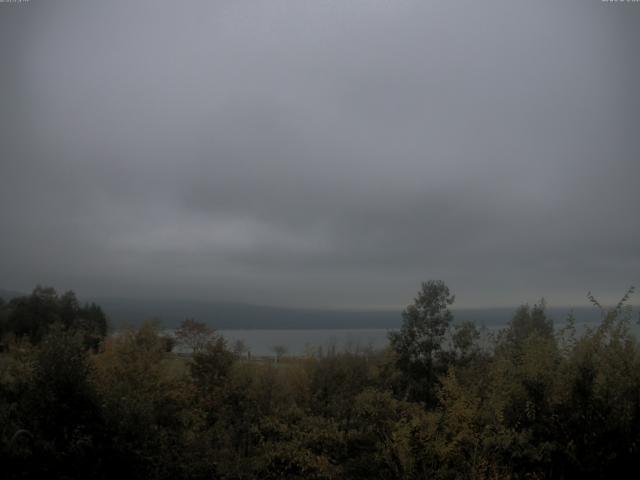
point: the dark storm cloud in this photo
(320, 153)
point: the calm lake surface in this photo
(304, 341)
(299, 342)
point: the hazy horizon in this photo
(321, 154)
(583, 306)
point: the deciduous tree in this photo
(194, 335)
(419, 343)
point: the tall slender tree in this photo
(418, 346)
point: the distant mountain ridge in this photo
(239, 316)
(229, 315)
(7, 295)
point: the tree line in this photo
(534, 401)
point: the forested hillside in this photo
(537, 402)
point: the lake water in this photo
(299, 342)
(303, 341)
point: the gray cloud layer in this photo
(320, 153)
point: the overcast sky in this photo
(321, 153)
